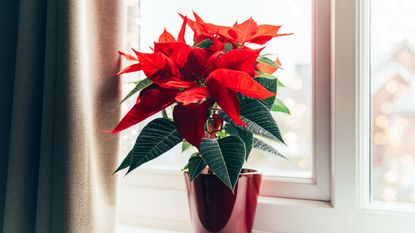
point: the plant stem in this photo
(164, 113)
(220, 131)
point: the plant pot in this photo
(214, 208)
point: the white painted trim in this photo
(318, 187)
(344, 98)
(321, 98)
(364, 117)
(351, 126)
(364, 102)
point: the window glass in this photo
(393, 100)
(149, 19)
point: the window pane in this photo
(294, 52)
(393, 100)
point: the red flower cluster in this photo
(219, 65)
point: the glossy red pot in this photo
(214, 208)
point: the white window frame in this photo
(318, 186)
(157, 198)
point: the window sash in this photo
(365, 118)
(349, 210)
(317, 187)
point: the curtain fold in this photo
(57, 95)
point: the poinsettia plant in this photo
(222, 92)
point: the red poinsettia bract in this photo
(200, 79)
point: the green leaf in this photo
(246, 137)
(255, 111)
(195, 154)
(192, 155)
(279, 106)
(225, 157)
(186, 146)
(261, 145)
(139, 86)
(268, 54)
(258, 119)
(185, 167)
(280, 84)
(251, 126)
(125, 163)
(267, 61)
(269, 76)
(157, 137)
(270, 85)
(205, 44)
(196, 166)
(228, 47)
(265, 75)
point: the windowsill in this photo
(293, 202)
(138, 229)
(267, 206)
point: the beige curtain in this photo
(57, 95)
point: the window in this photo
(309, 108)
(307, 131)
(393, 100)
(341, 193)
(294, 51)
